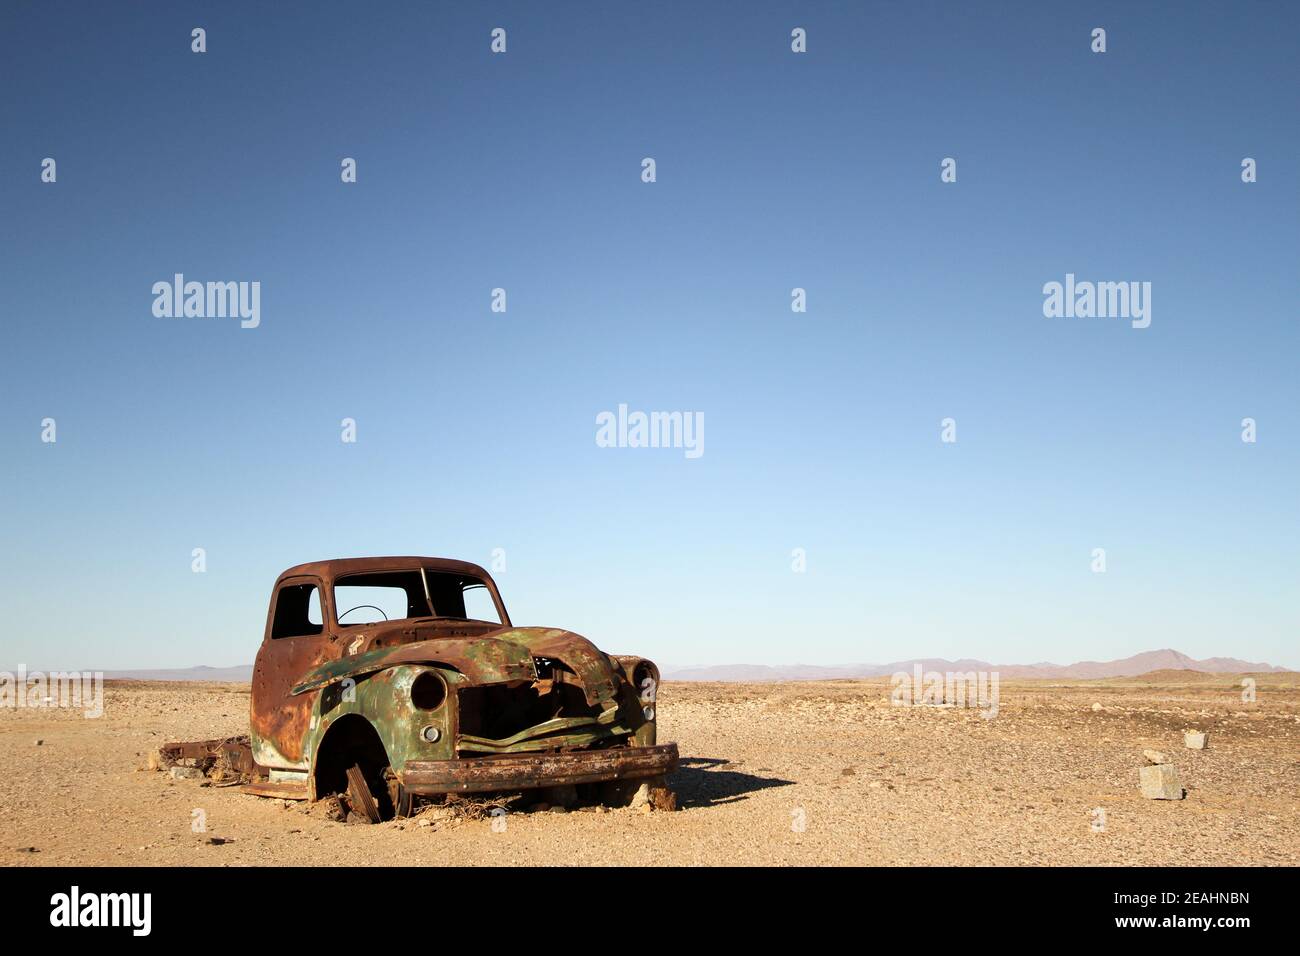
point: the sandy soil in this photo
(809, 773)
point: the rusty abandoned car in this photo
(385, 680)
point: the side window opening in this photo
(297, 611)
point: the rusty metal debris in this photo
(381, 714)
(226, 761)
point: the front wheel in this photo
(398, 795)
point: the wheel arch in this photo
(350, 738)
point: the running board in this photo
(284, 789)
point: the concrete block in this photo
(1160, 782)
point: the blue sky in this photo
(775, 170)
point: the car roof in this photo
(336, 567)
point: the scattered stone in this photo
(663, 798)
(1194, 739)
(1154, 757)
(186, 773)
(1160, 782)
(641, 798)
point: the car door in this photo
(297, 638)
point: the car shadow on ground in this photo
(706, 782)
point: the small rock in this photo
(153, 761)
(1194, 739)
(663, 798)
(186, 773)
(558, 809)
(1154, 757)
(218, 841)
(641, 798)
(424, 823)
(1160, 782)
(1096, 706)
(874, 785)
(645, 808)
(847, 772)
(28, 849)
(39, 742)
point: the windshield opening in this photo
(376, 596)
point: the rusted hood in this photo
(497, 658)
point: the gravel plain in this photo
(782, 773)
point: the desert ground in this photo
(783, 773)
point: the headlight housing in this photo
(428, 691)
(645, 678)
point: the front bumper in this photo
(528, 771)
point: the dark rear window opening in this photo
(297, 611)
(368, 597)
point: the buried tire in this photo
(398, 795)
(360, 798)
(351, 761)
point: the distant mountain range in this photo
(1083, 670)
(758, 673)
